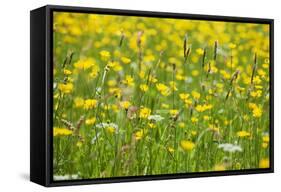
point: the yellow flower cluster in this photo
(86, 104)
(61, 131)
(256, 110)
(204, 107)
(190, 88)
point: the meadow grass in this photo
(147, 96)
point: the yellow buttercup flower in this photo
(252, 105)
(90, 121)
(139, 134)
(257, 80)
(61, 132)
(125, 104)
(194, 119)
(243, 134)
(195, 95)
(117, 67)
(264, 163)
(188, 102)
(125, 60)
(200, 108)
(257, 112)
(129, 80)
(187, 145)
(143, 87)
(67, 72)
(163, 89)
(90, 103)
(84, 64)
(174, 112)
(265, 138)
(184, 96)
(144, 112)
(65, 87)
(105, 55)
(110, 129)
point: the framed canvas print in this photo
(119, 95)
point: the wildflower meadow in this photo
(136, 96)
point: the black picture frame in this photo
(41, 75)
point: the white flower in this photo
(230, 147)
(155, 118)
(105, 125)
(65, 177)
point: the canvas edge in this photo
(37, 96)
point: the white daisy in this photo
(230, 147)
(156, 118)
